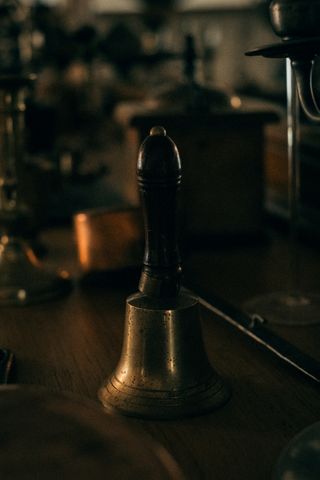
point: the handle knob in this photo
(159, 178)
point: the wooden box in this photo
(222, 162)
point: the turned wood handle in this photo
(159, 177)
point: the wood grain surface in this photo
(73, 343)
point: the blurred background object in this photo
(94, 59)
(22, 280)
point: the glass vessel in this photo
(291, 306)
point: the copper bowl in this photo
(109, 239)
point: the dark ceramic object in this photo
(295, 18)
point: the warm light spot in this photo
(64, 274)
(235, 101)
(82, 217)
(22, 294)
(5, 239)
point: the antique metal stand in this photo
(297, 23)
(163, 371)
(22, 280)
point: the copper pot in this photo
(109, 239)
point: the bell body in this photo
(163, 371)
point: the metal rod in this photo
(293, 142)
(254, 328)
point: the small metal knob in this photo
(158, 130)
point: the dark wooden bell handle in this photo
(159, 177)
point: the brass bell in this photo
(163, 371)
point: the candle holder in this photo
(296, 22)
(22, 279)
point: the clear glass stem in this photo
(291, 306)
(293, 141)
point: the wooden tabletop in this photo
(73, 343)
